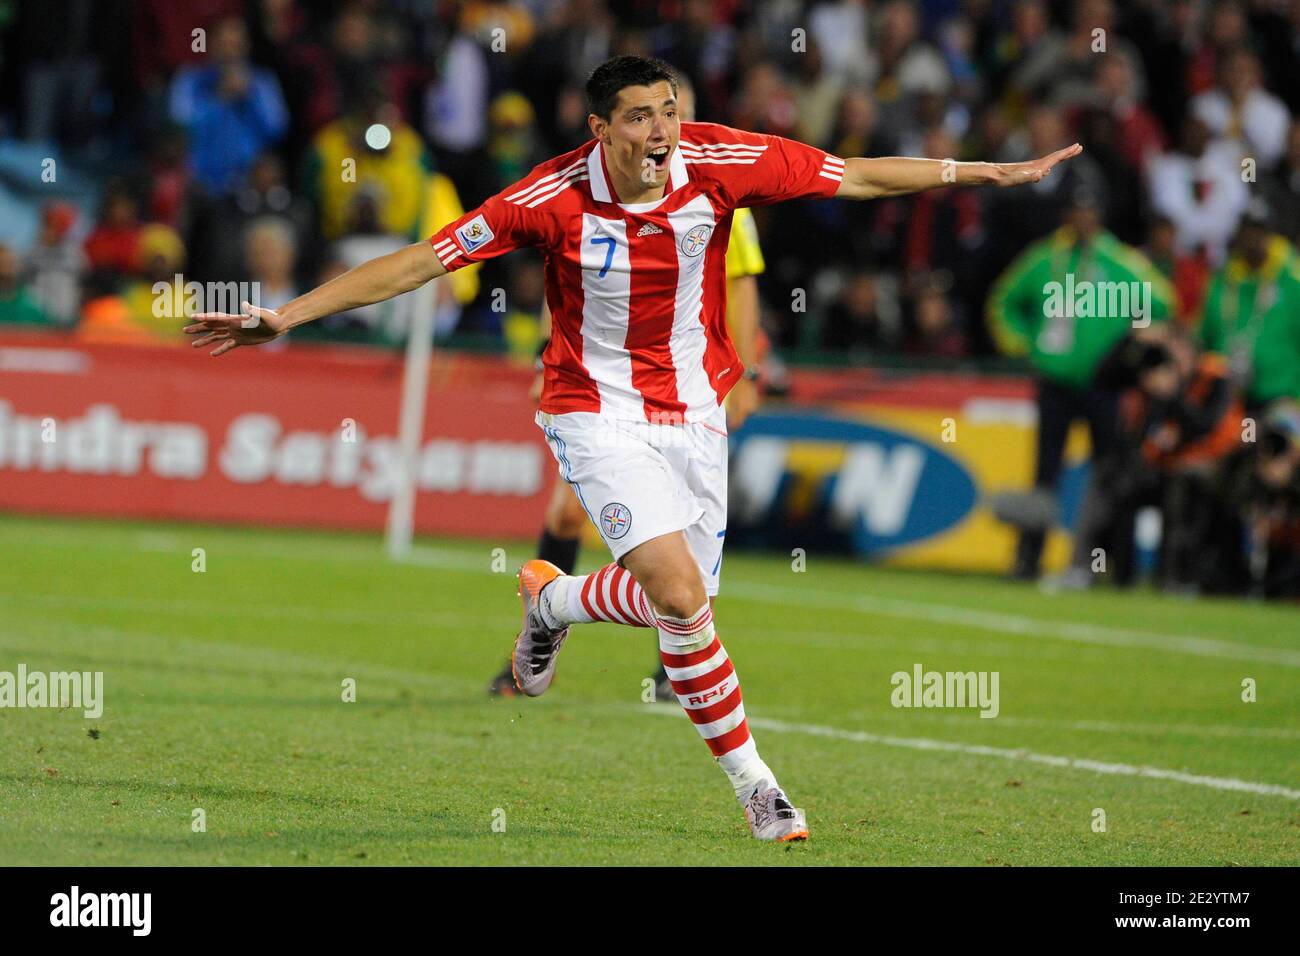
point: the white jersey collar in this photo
(601, 191)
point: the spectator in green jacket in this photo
(16, 304)
(1252, 312)
(1064, 304)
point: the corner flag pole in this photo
(415, 389)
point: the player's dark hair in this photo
(613, 75)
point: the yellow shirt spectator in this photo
(744, 254)
(442, 205)
(340, 167)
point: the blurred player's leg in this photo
(562, 528)
(1057, 410)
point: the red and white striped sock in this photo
(706, 684)
(610, 594)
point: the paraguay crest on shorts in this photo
(615, 519)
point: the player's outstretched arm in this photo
(373, 281)
(897, 175)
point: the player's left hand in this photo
(253, 326)
(1016, 174)
(742, 401)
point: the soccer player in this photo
(634, 224)
(565, 518)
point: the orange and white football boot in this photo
(537, 646)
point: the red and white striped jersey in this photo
(638, 291)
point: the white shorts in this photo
(639, 480)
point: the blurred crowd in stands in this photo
(156, 141)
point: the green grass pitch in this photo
(223, 692)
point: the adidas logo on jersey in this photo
(649, 229)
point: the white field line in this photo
(256, 660)
(988, 621)
(446, 559)
(489, 619)
(1117, 727)
(309, 613)
(1006, 753)
(465, 560)
(1004, 623)
(1210, 730)
(307, 667)
(240, 609)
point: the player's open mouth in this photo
(660, 156)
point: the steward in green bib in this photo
(1064, 304)
(1251, 314)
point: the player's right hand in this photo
(535, 391)
(254, 326)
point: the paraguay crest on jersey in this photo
(695, 241)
